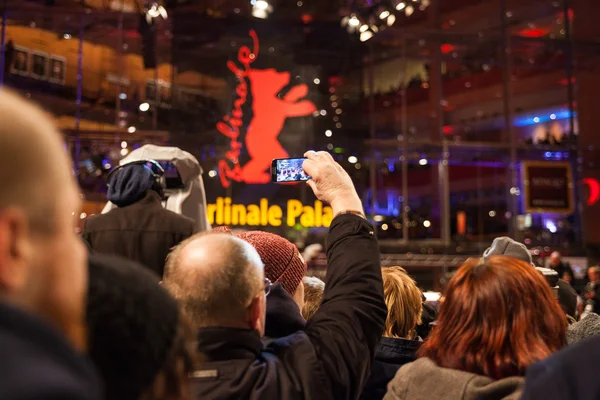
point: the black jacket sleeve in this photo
(346, 329)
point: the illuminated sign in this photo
(594, 187)
(269, 112)
(223, 212)
(548, 187)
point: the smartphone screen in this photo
(288, 170)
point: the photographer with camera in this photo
(139, 229)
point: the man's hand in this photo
(331, 183)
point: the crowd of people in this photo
(142, 307)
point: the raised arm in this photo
(347, 328)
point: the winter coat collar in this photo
(397, 351)
(223, 344)
(283, 314)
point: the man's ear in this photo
(15, 250)
(257, 312)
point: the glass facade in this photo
(438, 118)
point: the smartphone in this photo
(288, 170)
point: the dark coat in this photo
(391, 355)
(571, 374)
(37, 363)
(283, 314)
(330, 358)
(143, 232)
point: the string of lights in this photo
(261, 9)
(369, 21)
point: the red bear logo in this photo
(269, 115)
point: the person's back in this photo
(330, 358)
(42, 264)
(140, 229)
(486, 336)
(570, 374)
(37, 363)
(400, 343)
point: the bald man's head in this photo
(33, 164)
(42, 260)
(216, 277)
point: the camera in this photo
(551, 277)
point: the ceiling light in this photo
(353, 21)
(366, 35)
(363, 28)
(384, 14)
(262, 5)
(423, 161)
(391, 20)
(400, 6)
(131, 129)
(155, 11)
(409, 10)
(144, 107)
(328, 133)
(123, 145)
(352, 160)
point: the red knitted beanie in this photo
(282, 260)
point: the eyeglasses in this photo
(268, 285)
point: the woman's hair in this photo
(499, 317)
(313, 296)
(404, 303)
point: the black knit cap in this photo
(132, 325)
(129, 185)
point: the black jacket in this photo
(283, 314)
(391, 355)
(571, 374)
(331, 358)
(143, 232)
(38, 364)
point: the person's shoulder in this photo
(180, 220)
(573, 368)
(100, 221)
(47, 380)
(586, 352)
(93, 220)
(30, 371)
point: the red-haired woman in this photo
(499, 317)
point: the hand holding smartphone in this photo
(288, 170)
